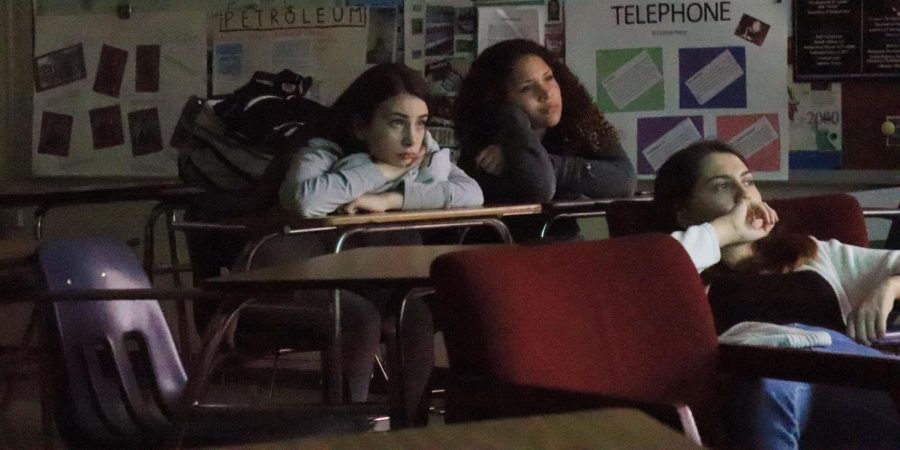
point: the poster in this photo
(331, 45)
(814, 113)
(440, 42)
(497, 24)
(108, 93)
(668, 74)
(837, 39)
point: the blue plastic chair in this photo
(120, 381)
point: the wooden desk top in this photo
(613, 428)
(279, 220)
(423, 215)
(33, 191)
(590, 203)
(397, 266)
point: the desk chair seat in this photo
(118, 379)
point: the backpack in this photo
(244, 141)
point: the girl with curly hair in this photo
(529, 133)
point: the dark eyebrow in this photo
(532, 80)
(726, 177)
(396, 114)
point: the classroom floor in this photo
(20, 423)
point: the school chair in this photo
(828, 216)
(116, 377)
(18, 278)
(594, 324)
(776, 298)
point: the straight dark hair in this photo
(676, 179)
(360, 100)
(780, 251)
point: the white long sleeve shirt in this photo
(853, 272)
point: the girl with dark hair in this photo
(375, 153)
(707, 196)
(372, 153)
(529, 133)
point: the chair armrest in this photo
(812, 366)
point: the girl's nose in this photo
(407, 137)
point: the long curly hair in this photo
(780, 251)
(582, 130)
(360, 100)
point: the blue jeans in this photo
(778, 414)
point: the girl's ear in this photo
(359, 128)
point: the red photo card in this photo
(106, 126)
(56, 134)
(147, 68)
(110, 71)
(146, 137)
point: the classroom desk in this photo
(347, 225)
(48, 193)
(360, 267)
(613, 428)
(592, 207)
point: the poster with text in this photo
(668, 74)
(814, 112)
(330, 44)
(108, 92)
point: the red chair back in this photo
(828, 216)
(624, 317)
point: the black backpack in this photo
(245, 140)
(269, 108)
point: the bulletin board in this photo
(329, 44)
(105, 102)
(667, 74)
(841, 39)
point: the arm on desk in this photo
(310, 189)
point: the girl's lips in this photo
(408, 156)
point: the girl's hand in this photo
(748, 221)
(395, 171)
(868, 321)
(490, 160)
(374, 203)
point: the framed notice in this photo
(840, 39)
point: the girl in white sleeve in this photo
(705, 193)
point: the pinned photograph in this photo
(59, 68)
(106, 126)
(147, 69)
(56, 134)
(146, 137)
(752, 30)
(110, 71)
